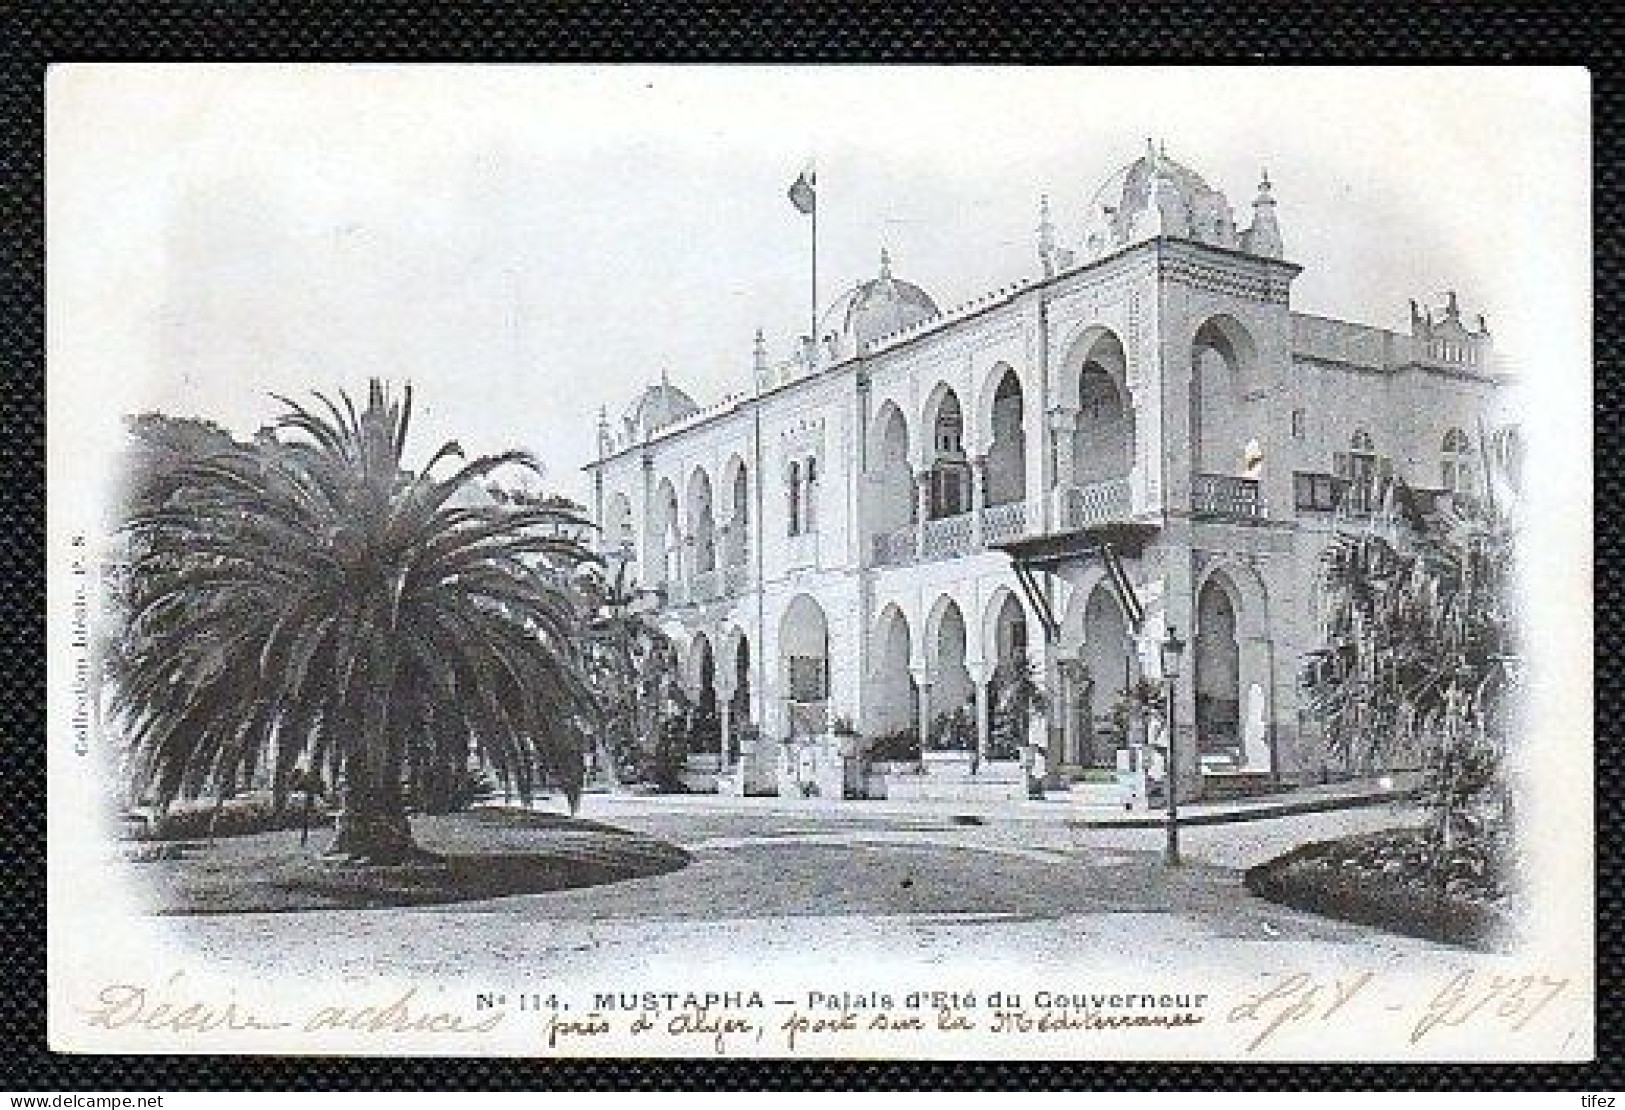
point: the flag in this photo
(803, 194)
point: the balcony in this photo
(1080, 507)
(1001, 523)
(895, 548)
(1225, 497)
(947, 538)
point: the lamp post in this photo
(1173, 651)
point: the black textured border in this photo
(849, 31)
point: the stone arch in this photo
(1093, 384)
(736, 684)
(946, 651)
(892, 504)
(892, 700)
(1005, 626)
(702, 521)
(804, 665)
(734, 532)
(705, 730)
(665, 561)
(942, 450)
(1003, 424)
(1231, 669)
(1224, 371)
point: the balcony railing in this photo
(947, 537)
(1096, 503)
(895, 548)
(808, 718)
(1221, 495)
(1001, 523)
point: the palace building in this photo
(1144, 435)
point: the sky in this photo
(527, 244)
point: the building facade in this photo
(1142, 436)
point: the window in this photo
(1455, 462)
(1298, 417)
(795, 499)
(809, 508)
(1314, 492)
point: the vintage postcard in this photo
(820, 562)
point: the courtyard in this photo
(857, 887)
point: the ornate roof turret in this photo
(876, 308)
(1264, 237)
(1156, 196)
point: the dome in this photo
(1154, 196)
(656, 407)
(875, 308)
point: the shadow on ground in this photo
(491, 853)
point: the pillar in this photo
(978, 500)
(980, 674)
(922, 685)
(725, 719)
(1063, 426)
(922, 494)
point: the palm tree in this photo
(1420, 634)
(307, 601)
(632, 666)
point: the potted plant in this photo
(846, 735)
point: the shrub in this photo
(240, 816)
(1387, 880)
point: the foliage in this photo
(306, 600)
(1419, 626)
(1389, 879)
(1021, 699)
(952, 731)
(901, 746)
(253, 812)
(632, 666)
(1143, 703)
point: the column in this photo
(922, 494)
(922, 683)
(725, 719)
(980, 674)
(1063, 425)
(978, 499)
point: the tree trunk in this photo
(372, 827)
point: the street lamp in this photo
(1173, 651)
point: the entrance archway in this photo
(952, 693)
(1007, 634)
(1218, 676)
(804, 653)
(1108, 659)
(893, 703)
(705, 730)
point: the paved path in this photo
(847, 892)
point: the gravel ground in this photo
(775, 885)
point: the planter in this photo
(956, 763)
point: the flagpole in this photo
(813, 331)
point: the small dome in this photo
(875, 308)
(656, 407)
(1153, 196)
